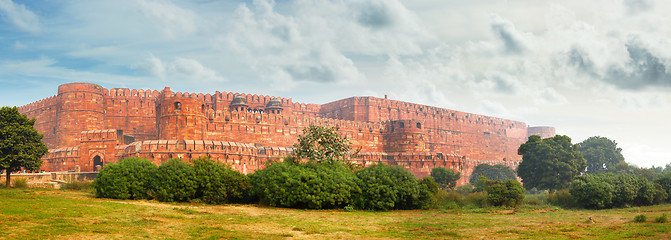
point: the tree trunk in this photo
(7, 173)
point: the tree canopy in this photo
(322, 144)
(601, 154)
(446, 178)
(549, 163)
(21, 146)
(492, 172)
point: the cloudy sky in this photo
(586, 67)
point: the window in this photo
(419, 125)
(178, 106)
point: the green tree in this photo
(549, 163)
(446, 178)
(601, 154)
(322, 144)
(492, 172)
(21, 146)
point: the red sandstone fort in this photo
(86, 126)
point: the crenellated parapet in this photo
(248, 130)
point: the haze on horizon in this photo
(595, 68)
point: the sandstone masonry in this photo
(87, 126)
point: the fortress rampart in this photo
(86, 126)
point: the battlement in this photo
(245, 130)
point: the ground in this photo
(58, 214)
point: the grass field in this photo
(36, 213)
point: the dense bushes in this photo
(218, 183)
(175, 180)
(385, 187)
(509, 193)
(609, 190)
(128, 179)
(492, 172)
(305, 185)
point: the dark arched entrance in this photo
(97, 163)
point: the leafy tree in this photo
(549, 163)
(129, 178)
(322, 144)
(492, 172)
(446, 178)
(601, 154)
(21, 146)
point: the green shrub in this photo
(615, 190)
(509, 193)
(175, 181)
(640, 218)
(562, 198)
(492, 172)
(20, 183)
(305, 185)
(465, 189)
(662, 219)
(446, 178)
(476, 199)
(385, 187)
(217, 183)
(535, 200)
(128, 179)
(448, 199)
(591, 192)
(664, 181)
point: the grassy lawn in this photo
(36, 213)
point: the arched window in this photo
(178, 106)
(419, 125)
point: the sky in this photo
(587, 68)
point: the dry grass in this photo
(54, 214)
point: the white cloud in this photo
(19, 16)
(181, 69)
(171, 20)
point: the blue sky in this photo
(586, 67)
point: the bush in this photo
(449, 199)
(218, 183)
(509, 193)
(662, 219)
(305, 185)
(492, 172)
(562, 198)
(385, 187)
(446, 178)
(592, 193)
(128, 179)
(611, 190)
(640, 218)
(175, 181)
(476, 199)
(20, 183)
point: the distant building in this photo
(87, 126)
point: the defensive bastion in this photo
(87, 126)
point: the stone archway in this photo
(97, 163)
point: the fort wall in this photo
(86, 126)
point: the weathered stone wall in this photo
(86, 123)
